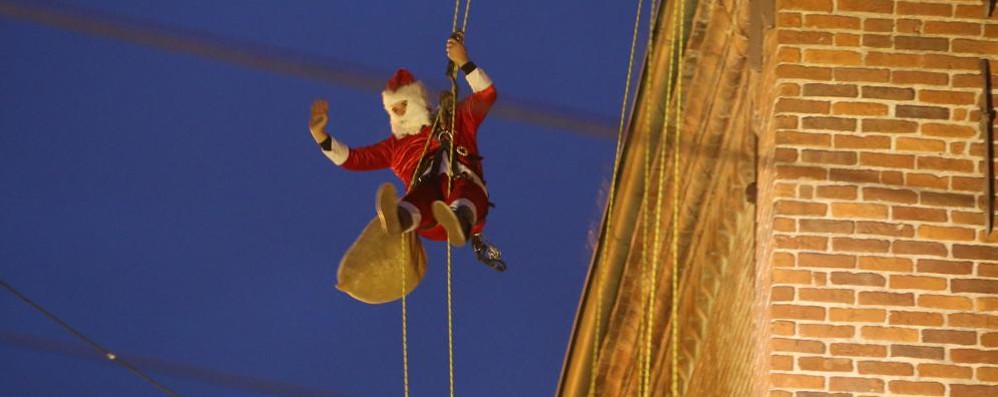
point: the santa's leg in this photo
(414, 209)
(463, 213)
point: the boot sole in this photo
(448, 219)
(387, 207)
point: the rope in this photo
(674, 318)
(646, 328)
(600, 274)
(104, 351)
(405, 333)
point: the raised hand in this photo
(317, 123)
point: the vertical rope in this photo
(450, 324)
(600, 273)
(674, 318)
(647, 328)
(405, 336)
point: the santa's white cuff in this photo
(478, 80)
(338, 152)
(466, 203)
(413, 214)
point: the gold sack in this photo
(370, 271)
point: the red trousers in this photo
(463, 188)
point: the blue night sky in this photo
(175, 207)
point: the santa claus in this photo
(430, 207)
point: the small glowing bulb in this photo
(111, 356)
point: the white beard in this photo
(416, 116)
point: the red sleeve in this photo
(373, 157)
(474, 108)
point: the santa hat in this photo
(403, 87)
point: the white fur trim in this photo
(466, 203)
(413, 213)
(338, 152)
(413, 93)
(478, 80)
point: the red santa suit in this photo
(403, 150)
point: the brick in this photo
(903, 196)
(975, 46)
(909, 26)
(987, 269)
(989, 339)
(944, 371)
(856, 384)
(826, 331)
(926, 352)
(856, 350)
(780, 393)
(971, 80)
(859, 109)
(789, 19)
(855, 176)
(921, 112)
(948, 199)
(947, 97)
(930, 232)
(949, 130)
(861, 75)
(797, 242)
(988, 374)
(907, 77)
(824, 21)
(917, 282)
(918, 214)
(805, 5)
(945, 302)
(894, 60)
(885, 229)
(794, 172)
(820, 394)
(825, 364)
(782, 363)
(915, 318)
(969, 11)
(781, 276)
(975, 252)
(844, 244)
(862, 142)
(796, 37)
(890, 126)
(974, 356)
(797, 381)
(782, 294)
(878, 25)
(952, 28)
(921, 145)
(832, 57)
(796, 312)
(918, 388)
(878, 41)
(921, 43)
(973, 391)
(864, 279)
(874, 6)
(884, 368)
(788, 55)
(891, 93)
(885, 264)
(798, 346)
(829, 157)
(919, 248)
(858, 210)
(791, 105)
(944, 267)
(857, 315)
(806, 259)
(797, 138)
(946, 164)
(978, 286)
(784, 207)
(887, 160)
(828, 295)
(948, 62)
(784, 225)
(837, 192)
(921, 8)
(886, 298)
(829, 226)
(927, 180)
(967, 184)
(969, 320)
(985, 304)
(804, 72)
(945, 336)
(828, 123)
(783, 259)
(831, 90)
(785, 122)
(784, 328)
(846, 39)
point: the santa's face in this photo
(408, 119)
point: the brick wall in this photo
(882, 279)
